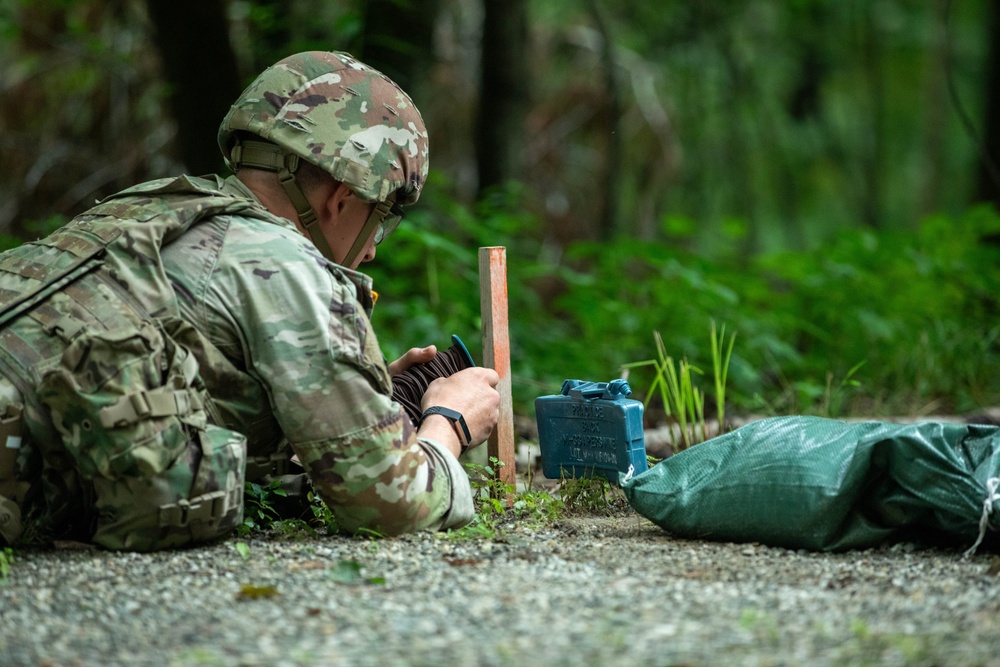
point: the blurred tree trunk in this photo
(873, 147)
(607, 223)
(399, 41)
(192, 37)
(989, 174)
(738, 158)
(935, 103)
(503, 93)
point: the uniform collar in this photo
(362, 282)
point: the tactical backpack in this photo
(105, 430)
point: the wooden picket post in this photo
(496, 354)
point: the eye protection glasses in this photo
(384, 218)
(387, 225)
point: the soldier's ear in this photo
(337, 197)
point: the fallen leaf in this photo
(71, 545)
(250, 592)
(346, 572)
(308, 565)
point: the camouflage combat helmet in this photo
(337, 113)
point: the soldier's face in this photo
(351, 215)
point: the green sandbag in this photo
(827, 485)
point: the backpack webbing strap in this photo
(140, 405)
(270, 157)
(203, 508)
(278, 463)
(56, 323)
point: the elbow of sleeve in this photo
(388, 487)
(434, 495)
(389, 519)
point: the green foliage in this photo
(682, 400)
(532, 507)
(261, 515)
(34, 229)
(6, 560)
(910, 316)
(787, 118)
(321, 514)
(721, 354)
(875, 321)
(491, 494)
(591, 495)
(537, 507)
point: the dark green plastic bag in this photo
(823, 484)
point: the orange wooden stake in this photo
(496, 353)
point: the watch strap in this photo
(455, 417)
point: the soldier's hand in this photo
(415, 355)
(472, 392)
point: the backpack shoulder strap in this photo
(48, 265)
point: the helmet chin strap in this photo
(268, 156)
(377, 215)
(307, 216)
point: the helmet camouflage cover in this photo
(342, 116)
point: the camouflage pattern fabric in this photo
(195, 270)
(109, 402)
(340, 115)
(292, 353)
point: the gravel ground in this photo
(584, 591)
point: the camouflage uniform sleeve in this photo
(309, 341)
(462, 507)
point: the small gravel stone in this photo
(585, 591)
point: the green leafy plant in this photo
(926, 330)
(322, 516)
(722, 353)
(536, 507)
(834, 397)
(687, 402)
(258, 510)
(497, 501)
(590, 495)
(260, 513)
(682, 399)
(6, 559)
(490, 494)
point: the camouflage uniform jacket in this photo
(278, 336)
(287, 353)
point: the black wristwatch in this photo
(455, 417)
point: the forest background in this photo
(819, 176)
